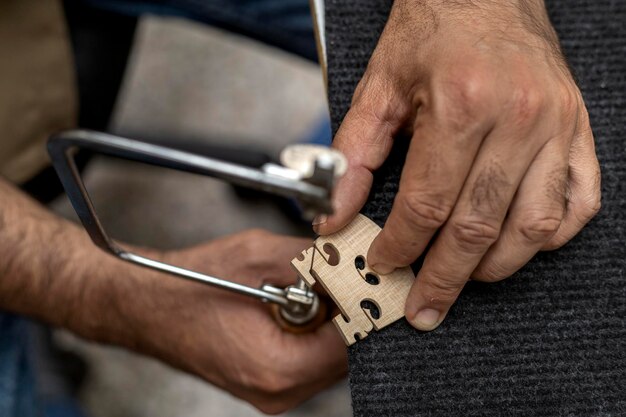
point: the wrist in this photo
(131, 306)
(433, 15)
(485, 25)
(112, 295)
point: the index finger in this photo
(365, 138)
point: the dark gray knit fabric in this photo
(552, 339)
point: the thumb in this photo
(365, 138)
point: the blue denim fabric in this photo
(286, 24)
(18, 397)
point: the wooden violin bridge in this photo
(367, 300)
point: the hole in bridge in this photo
(372, 279)
(333, 254)
(359, 263)
(372, 308)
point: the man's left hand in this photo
(501, 162)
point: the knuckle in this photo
(594, 202)
(252, 247)
(377, 100)
(471, 88)
(466, 101)
(557, 241)
(440, 289)
(253, 240)
(490, 271)
(583, 121)
(570, 103)
(267, 388)
(537, 226)
(587, 205)
(474, 235)
(594, 206)
(424, 211)
(271, 384)
(271, 407)
(526, 103)
(253, 236)
(589, 208)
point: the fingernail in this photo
(383, 268)
(426, 319)
(320, 219)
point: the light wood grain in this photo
(347, 284)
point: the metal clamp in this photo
(309, 177)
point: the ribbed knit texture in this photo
(551, 340)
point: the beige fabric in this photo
(37, 85)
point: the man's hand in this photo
(501, 163)
(227, 339)
(50, 270)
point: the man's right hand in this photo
(227, 339)
(50, 270)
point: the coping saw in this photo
(308, 174)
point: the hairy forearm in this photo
(49, 270)
(38, 276)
